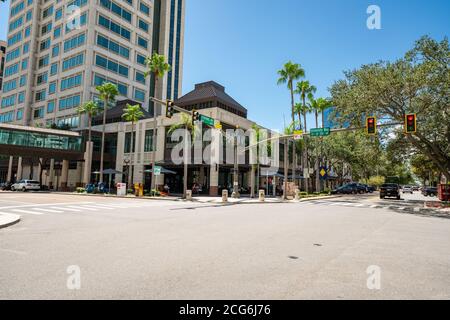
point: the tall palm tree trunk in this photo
(185, 155)
(90, 149)
(102, 153)
(130, 165)
(294, 160)
(317, 157)
(153, 179)
(305, 152)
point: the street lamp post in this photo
(235, 194)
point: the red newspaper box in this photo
(444, 192)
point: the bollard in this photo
(262, 195)
(189, 195)
(224, 195)
(297, 195)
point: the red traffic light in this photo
(411, 123)
(372, 125)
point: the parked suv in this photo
(25, 185)
(390, 190)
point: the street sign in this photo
(320, 132)
(207, 120)
(217, 125)
(157, 171)
(298, 135)
(323, 173)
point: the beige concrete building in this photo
(59, 51)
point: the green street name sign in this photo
(207, 120)
(158, 171)
(321, 132)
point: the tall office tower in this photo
(59, 51)
(2, 61)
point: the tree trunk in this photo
(252, 182)
(103, 140)
(185, 156)
(153, 182)
(317, 165)
(305, 152)
(293, 127)
(130, 168)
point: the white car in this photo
(25, 185)
(408, 189)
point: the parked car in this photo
(408, 189)
(416, 188)
(390, 190)
(346, 189)
(430, 192)
(372, 189)
(5, 186)
(25, 185)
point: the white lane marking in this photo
(335, 204)
(21, 253)
(375, 206)
(27, 212)
(101, 206)
(65, 209)
(48, 210)
(359, 205)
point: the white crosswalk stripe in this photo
(66, 209)
(48, 210)
(27, 212)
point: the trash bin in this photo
(444, 192)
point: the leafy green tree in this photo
(108, 93)
(156, 67)
(417, 83)
(132, 114)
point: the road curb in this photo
(7, 220)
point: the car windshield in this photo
(32, 182)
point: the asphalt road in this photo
(140, 249)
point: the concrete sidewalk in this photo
(7, 219)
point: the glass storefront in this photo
(40, 140)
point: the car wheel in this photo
(398, 198)
(13, 189)
(24, 189)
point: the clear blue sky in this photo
(242, 43)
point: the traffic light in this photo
(371, 125)
(195, 116)
(169, 109)
(411, 123)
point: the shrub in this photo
(81, 190)
(130, 191)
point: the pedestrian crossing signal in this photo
(411, 123)
(371, 125)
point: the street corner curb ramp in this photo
(7, 219)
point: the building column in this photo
(9, 176)
(51, 176)
(64, 174)
(214, 180)
(19, 169)
(120, 152)
(88, 163)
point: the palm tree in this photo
(90, 108)
(108, 93)
(132, 114)
(304, 88)
(290, 73)
(156, 67)
(185, 123)
(255, 167)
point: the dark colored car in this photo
(6, 186)
(390, 190)
(430, 192)
(372, 189)
(343, 190)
